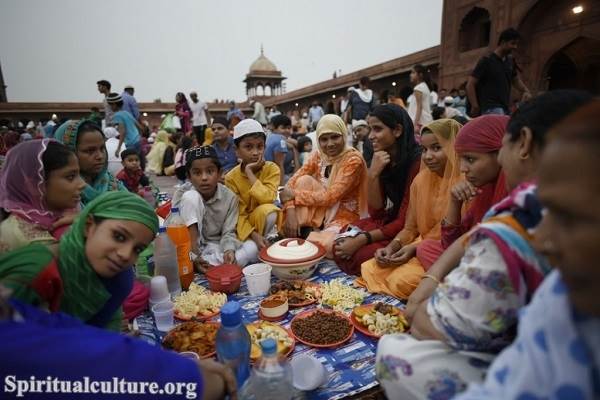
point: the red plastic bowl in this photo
(224, 278)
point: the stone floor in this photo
(165, 183)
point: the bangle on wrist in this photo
(433, 278)
(368, 236)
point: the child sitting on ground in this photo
(255, 183)
(132, 175)
(210, 211)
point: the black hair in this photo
(460, 119)
(508, 35)
(88, 126)
(424, 72)
(129, 152)
(199, 153)
(185, 143)
(281, 120)
(104, 83)
(434, 87)
(302, 141)
(254, 135)
(396, 174)
(542, 112)
(437, 112)
(55, 157)
(365, 81)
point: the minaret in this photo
(2, 88)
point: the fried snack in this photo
(263, 330)
(198, 302)
(340, 296)
(297, 292)
(193, 336)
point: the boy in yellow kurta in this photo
(255, 182)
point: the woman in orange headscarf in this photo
(396, 270)
(477, 146)
(330, 190)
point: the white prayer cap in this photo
(246, 127)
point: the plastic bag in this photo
(167, 123)
(176, 122)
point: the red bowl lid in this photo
(292, 251)
(227, 271)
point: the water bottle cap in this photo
(231, 314)
(162, 229)
(175, 209)
(268, 346)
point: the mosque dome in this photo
(262, 64)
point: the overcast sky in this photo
(57, 50)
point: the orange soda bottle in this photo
(180, 236)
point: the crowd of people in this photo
(483, 219)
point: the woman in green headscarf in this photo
(86, 139)
(88, 274)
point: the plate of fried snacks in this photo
(198, 303)
(341, 296)
(378, 319)
(198, 337)
(298, 293)
(322, 328)
(261, 330)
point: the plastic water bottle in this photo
(180, 236)
(165, 261)
(271, 377)
(233, 342)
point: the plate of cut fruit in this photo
(378, 319)
(262, 330)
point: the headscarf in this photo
(396, 173)
(84, 293)
(332, 123)
(24, 185)
(157, 152)
(483, 135)
(433, 190)
(68, 134)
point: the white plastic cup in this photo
(190, 354)
(158, 289)
(258, 279)
(308, 373)
(163, 316)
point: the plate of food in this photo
(198, 337)
(261, 330)
(198, 303)
(378, 319)
(341, 296)
(322, 328)
(298, 293)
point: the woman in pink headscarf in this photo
(39, 184)
(477, 145)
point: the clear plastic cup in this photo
(158, 288)
(163, 316)
(258, 279)
(308, 373)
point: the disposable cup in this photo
(158, 288)
(308, 373)
(190, 354)
(258, 279)
(163, 316)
